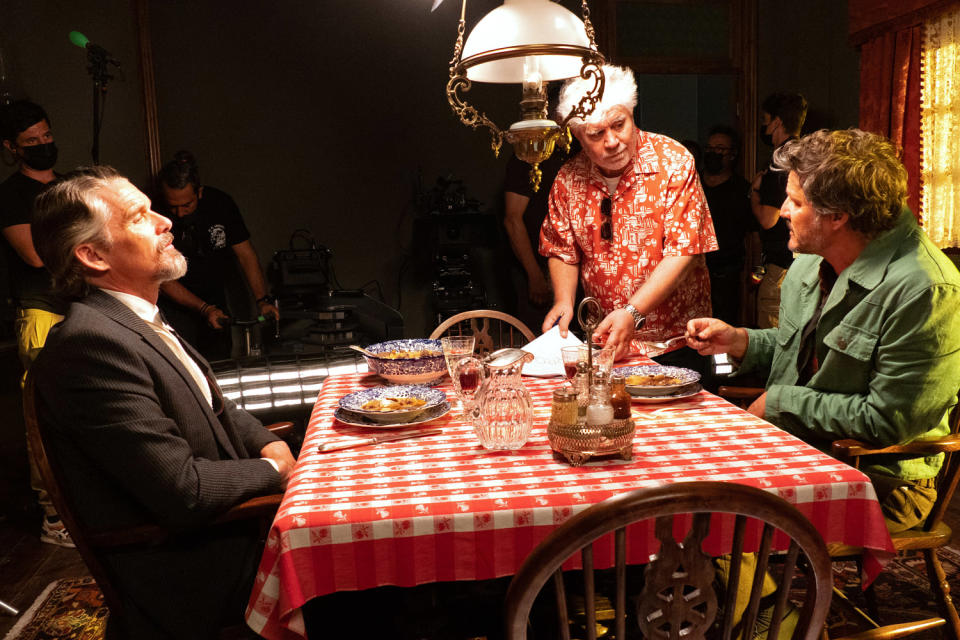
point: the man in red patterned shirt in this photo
(628, 216)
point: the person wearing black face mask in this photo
(732, 220)
(782, 116)
(26, 134)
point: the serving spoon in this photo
(363, 351)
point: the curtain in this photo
(890, 97)
(940, 117)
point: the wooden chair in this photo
(492, 329)
(926, 538)
(933, 533)
(89, 543)
(678, 599)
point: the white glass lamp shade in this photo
(519, 23)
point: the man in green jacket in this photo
(868, 345)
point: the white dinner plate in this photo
(357, 420)
(686, 392)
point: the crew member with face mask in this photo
(25, 129)
(782, 116)
(732, 220)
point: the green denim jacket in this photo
(888, 346)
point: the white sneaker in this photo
(55, 533)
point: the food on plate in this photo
(393, 404)
(655, 380)
(408, 353)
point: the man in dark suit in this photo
(136, 418)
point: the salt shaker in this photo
(599, 410)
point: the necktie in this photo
(168, 335)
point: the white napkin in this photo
(547, 361)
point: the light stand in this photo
(97, 68)
(97, 60)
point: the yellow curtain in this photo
(940, 129)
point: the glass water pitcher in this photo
(502, 409)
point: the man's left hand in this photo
(268, 310)
(618, 327)
(759, 406)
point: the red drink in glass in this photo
(570, 369)
(469, 379)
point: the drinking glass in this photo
(571, 356)
(603, 361)
(575, 354)
(455, 348)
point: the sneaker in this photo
(55, 533)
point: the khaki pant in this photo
(768, 297)
(904, 503)
(32, 327)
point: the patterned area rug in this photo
(73, 609)
(903, 593)
(68, 609)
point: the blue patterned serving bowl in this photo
(408, 370)
(353, 402)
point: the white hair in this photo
(619, 90)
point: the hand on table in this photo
(759, 406)
(279, 452)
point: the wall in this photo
(41, 64)
(331, 115)
(327, 116)
(803, 47)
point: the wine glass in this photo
(455, 348)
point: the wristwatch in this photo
(638, 318)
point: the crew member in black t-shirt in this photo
(726, 194)
(209, 230)
(782, 116)
(523, 213)
(26, 133)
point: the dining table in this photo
(441, 508)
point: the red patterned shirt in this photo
(658, 210)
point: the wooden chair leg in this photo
(869, 594)
(941, 591)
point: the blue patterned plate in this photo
(354, 402)
(358, 420)
(683, 377)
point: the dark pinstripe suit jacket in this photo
(138, 443)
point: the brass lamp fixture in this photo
(527, 42)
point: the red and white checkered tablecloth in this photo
(442, 508)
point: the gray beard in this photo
(175, 269)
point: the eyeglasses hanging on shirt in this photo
(606, 228)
